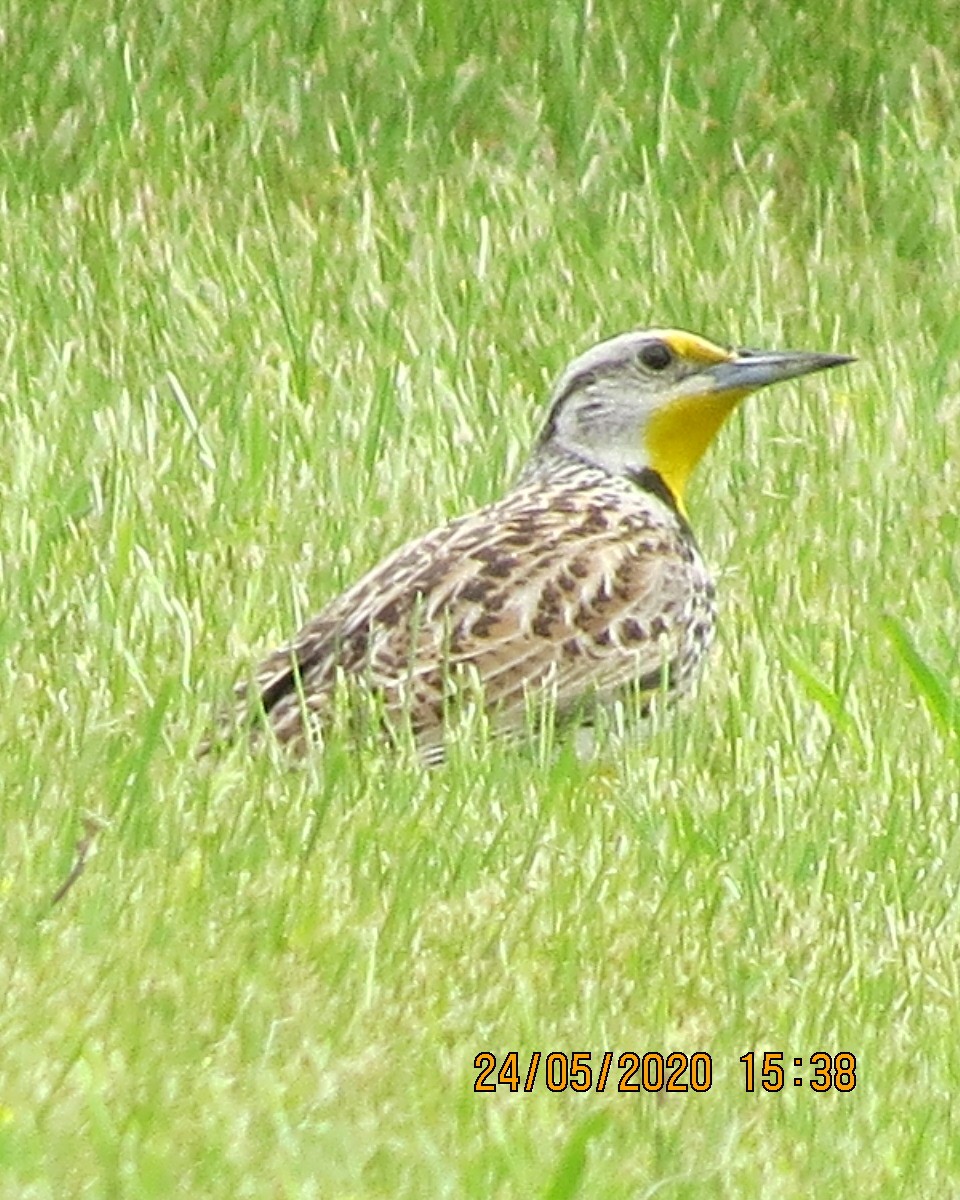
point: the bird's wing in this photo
(576, 592)
(604, 613)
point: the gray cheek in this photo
(589, 412)
(610, 425)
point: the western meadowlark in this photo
(584, 579)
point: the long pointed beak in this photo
(752, 369)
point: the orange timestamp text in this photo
(654, 1071)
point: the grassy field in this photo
(283, 283)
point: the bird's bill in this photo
(748, 370)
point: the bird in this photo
(581, 583)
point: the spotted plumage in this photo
(584, 579)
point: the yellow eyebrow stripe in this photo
(691, 347)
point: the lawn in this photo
(283, 283)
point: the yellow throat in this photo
(678, 435)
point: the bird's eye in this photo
(656, 355)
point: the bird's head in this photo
(654, 399)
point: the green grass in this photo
(282, 284)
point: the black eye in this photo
(656, 355)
